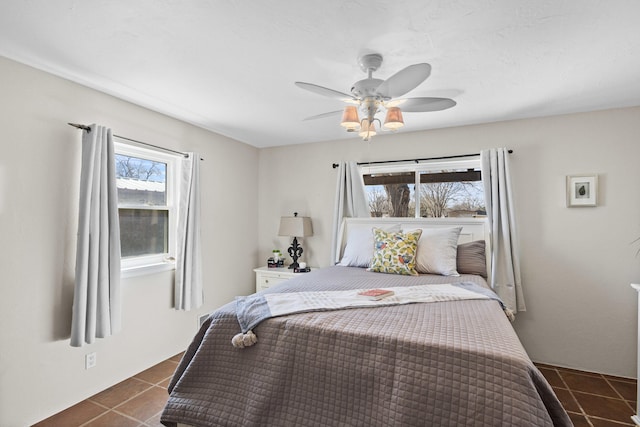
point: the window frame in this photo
(148, 264)
(417, 167)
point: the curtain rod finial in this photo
(83, 127)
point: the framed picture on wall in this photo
(582, 190)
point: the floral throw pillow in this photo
(395, 253)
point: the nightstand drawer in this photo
(263, 281)
(267, 277)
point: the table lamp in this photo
(295, 226)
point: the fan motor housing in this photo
(366, 88)
(370, 62)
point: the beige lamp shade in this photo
(368, 129)
(350, 117)
(393, 119)
(295, 226)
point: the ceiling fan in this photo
(372, 95)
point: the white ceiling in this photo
(229, 65)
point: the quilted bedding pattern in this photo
(454, 363)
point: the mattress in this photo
(450, 363)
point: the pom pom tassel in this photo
(244, 340)
(510, 314)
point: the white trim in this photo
(417, 193)
(144, 270)
(141, 265)
(144, 260)
(417, 169)
(435, 165)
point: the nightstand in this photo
(266, 277)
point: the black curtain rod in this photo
(88, 129)
(335, 165)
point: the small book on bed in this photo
(376, 294)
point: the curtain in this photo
(498, 196)
(351, 200)
(96, 300)
(188, 281)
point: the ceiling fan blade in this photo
(404, 80)
(424, 104)
(325, 91)
(394, 102)
(323, 115)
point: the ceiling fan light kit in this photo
(393, 121)
(367, 129)
(375, 95)
(350, 119)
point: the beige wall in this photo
(40, 374)
(576, 263)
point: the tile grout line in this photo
(124, 401)
(590, 420)
(609, 397)
(619, 394)
(97, 416)
(620, 397)
(115, 412)
(615, 390)
(107, 409)
(584, 413)
(114, 408)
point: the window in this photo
(436, 189)
(147, 195)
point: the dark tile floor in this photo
(592, 400)
(135, 402)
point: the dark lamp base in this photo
(295, 252)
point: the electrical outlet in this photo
(90, 360)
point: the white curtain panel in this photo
(188, 282)
(505, 261)
(351, 200)
(96, 300)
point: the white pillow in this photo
(438, 251)
(359, 248)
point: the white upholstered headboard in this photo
(472, 229)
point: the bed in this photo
(451, 362)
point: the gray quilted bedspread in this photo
(455, 363)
